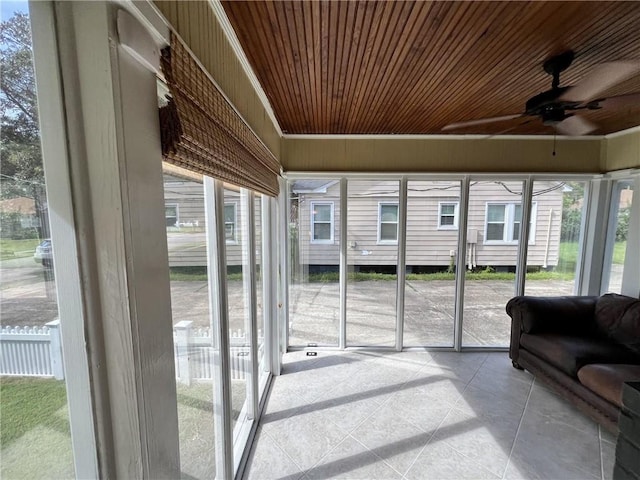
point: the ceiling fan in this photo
(556, 107)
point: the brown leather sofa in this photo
(584, 348)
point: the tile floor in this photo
(414, 415)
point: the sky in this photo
(8, 8)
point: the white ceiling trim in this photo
(559, 138)
(621, 133)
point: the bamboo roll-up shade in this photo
(202, 132)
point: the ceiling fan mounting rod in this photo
(557, 64)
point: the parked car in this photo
(43, 253)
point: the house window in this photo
(503, 223)
(517, 219)
(496, 218)
(448, 215)
(230, 222)
(171, 215)
(388, 223)
(321, 222)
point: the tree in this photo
(21, 172)
(572, 212)
(622, 227)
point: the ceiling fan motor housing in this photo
(547, 106)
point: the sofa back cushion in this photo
(570, 314)
(618, 317)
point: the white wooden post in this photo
(183, 336)
(55, 350)
(115, 181)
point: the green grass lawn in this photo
(35, 439)
(29, 402)
(619, 249)
(17, 248)
(568, 255)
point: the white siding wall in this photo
(426, 244)
(187, 245)
(318, 253)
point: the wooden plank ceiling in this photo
(401, 67)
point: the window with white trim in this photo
(388, 223)
(321, 222)
(230, 221)
(171, 215)
(448, 215)
(502, 223)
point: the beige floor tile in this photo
(351, 460)
(392, 437)
(440, 461)
(269, 461)
(436, 415)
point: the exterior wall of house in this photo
(427, 244)
(188, 197)
(186, 239)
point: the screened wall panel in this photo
(554, 249)
(372, 258)
(493, 232)
(433, 209)
(314, 259)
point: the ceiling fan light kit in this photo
(559, 106)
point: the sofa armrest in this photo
(569, 314)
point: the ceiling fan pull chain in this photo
(554, 144)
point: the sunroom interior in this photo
(316, 212)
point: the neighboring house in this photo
(626, 198)
(433, 209)
(23, 213)
(186, 223)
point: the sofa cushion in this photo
(618, 317)
(569, 354)
(568, 314)
(607, 379)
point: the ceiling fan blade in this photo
(599, 79)
(620, 101)
(575, 125)
(480, 121)
(507, 130)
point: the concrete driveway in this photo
(429, 312)
(27, 297)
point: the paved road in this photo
(19, 271)
(27, 293)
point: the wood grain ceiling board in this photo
(403, 67)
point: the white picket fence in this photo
(196, 354)
(37, 351)
(32, 351)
